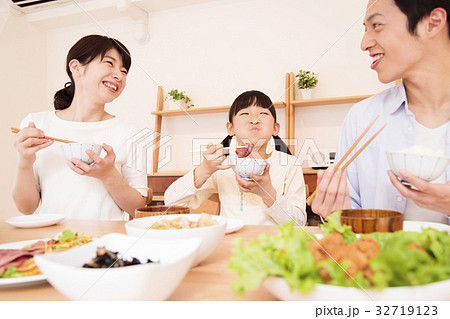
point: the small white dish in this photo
(148, 281)
(233, 225)
(21, 281)
(34, 221)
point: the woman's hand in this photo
(427, 195)
(331, 192)
(102, 168)
(212, 161)
(30, 140)
(260, 185)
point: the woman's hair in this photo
(416, 10)
(86, 50)
(256, 98)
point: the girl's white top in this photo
(77, 196)
(287, 179)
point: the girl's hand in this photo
(260, 185)
(212, 162)
(102, 168)
(213, 159)
(30, 140)
(331, 192)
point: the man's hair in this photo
(416, 10)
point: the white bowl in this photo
(151, 281)
(210, 235)
(426, 167)
(78, 150)
(245, 165)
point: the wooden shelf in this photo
(330, 100)
(204, 110)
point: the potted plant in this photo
(179, 98)
(306, 81)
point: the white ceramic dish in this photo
(233, 225)
(34, 221)
(210, 235)
(246, 165)
(435, 291)
(150, 281)
(78, 150)
(426, 167)
(21, 281)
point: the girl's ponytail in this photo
(63, 98)
(226, 141)
(280, 145)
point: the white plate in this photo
(434, 291)
(34, 221)
(233, 225)
(417, 226)
(21, 281)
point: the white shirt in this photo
(81, 197)
(433, 139)
(286, 177)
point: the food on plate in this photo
(184, 222)
(106, 259)
(244, 151)
(20, 262)
(341, 258)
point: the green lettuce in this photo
(11, 272)
(405, 259)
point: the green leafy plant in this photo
(306, 79)
(176, 95)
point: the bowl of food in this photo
(160, 210)
(246, 165)
(142, 269)
(210, 229)
(364, 221)
(78, 150)
(424, 163)
(341, 265)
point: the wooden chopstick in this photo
(225, 148)
(311, 197)
(16, 130)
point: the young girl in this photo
(275, 197)
(97, 67)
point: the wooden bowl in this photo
(365, 221)
(160, 210)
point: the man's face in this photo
(395, 51)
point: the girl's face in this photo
(102, 79)
(254, 124)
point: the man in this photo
(407, 39)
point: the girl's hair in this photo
(86, 50)
(256, 98)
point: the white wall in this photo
(219, 49)
(22, 90)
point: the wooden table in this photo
(208, 281)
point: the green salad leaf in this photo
(404, 259)
(11, 272)
(334, 225)
(67, 234)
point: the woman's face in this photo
(254, 124)
(103, 79)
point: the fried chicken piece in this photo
(356, 254)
